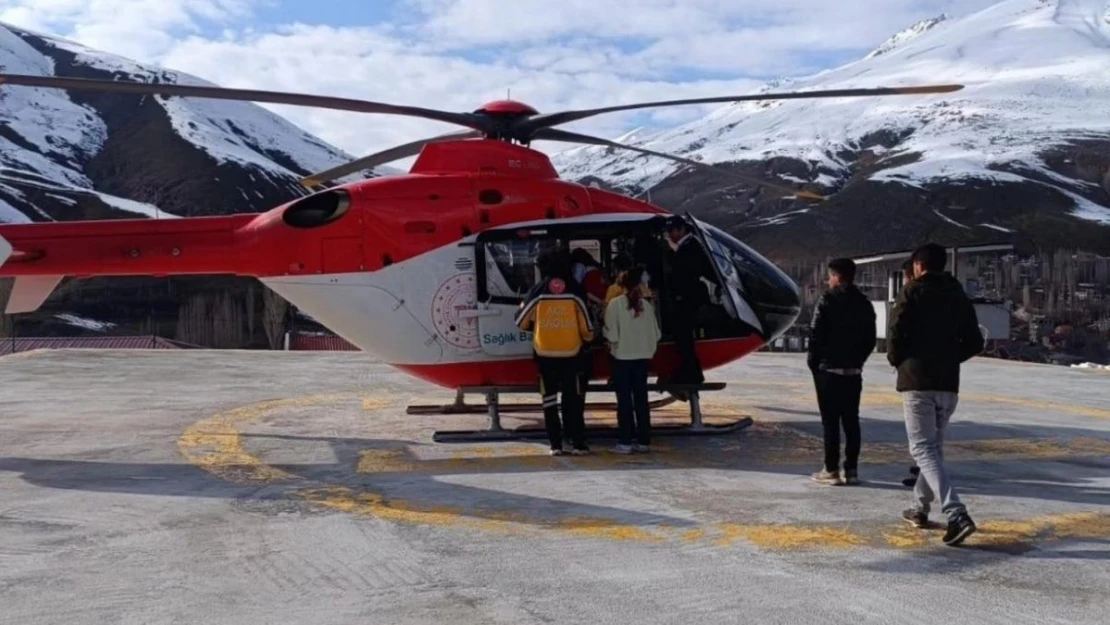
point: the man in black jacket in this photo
(842, 337)
(934, 329)
(689, 264)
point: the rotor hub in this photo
(507, 107)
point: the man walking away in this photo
(933, 330)
(907, 278)
(842, 337)
(560, 323)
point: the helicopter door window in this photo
(510, 268)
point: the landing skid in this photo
(494, 408)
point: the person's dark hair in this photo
(554, 264)
(580, 255)
(845, 268)
(677, 223)
(630, 281)
(622, 262)
(932, 257)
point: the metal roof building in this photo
(13, 345)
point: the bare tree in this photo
(5, 320)
(275, 311)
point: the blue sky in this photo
(456, 54)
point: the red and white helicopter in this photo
(423, 270)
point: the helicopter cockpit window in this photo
(733, 297)
(763, 283)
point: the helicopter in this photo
(425, 270)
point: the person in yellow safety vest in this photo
(555, 312)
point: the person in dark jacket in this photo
(934, 329)
(842, 338)
(689, 264)
(907, 278)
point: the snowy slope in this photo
(239, 132)
(48, 138)
(1037, 74)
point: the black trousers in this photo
(838, 399)
(563, 376)
(630, 377)
(683, 326)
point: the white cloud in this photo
(457, 54)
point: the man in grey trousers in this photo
(933, 331)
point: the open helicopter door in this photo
(732, 289)
(506, 269)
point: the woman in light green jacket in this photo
(633, 334)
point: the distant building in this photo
(13, 345)
(977, 267)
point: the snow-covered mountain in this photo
(70, 155)
(1023, 152)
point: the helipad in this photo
(288, 487)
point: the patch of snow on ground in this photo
(11, 215)
(1086, 209)
(68, 201)
(132, 206)
(998, 228)
(950, 220)
(88, 324)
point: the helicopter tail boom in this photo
(39, 255)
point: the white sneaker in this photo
(556, 452)
(640, 449)
(622, 449)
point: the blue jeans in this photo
(630, 377)
(927, 416)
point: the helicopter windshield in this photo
(762, 291)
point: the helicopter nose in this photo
(772, 295)
(779, 316)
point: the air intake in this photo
(317, 209)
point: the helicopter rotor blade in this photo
(380, 158)
(245, 95)
(554, 134)
(554, 119)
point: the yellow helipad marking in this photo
(1013, 534)
(215, 445)
(789, 536)
(370, 404)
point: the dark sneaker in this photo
(832, 478)
(959, 529)
(640, 449)
(850, 478)
(916, 518)
(911, 481)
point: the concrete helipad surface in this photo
(233, 487)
